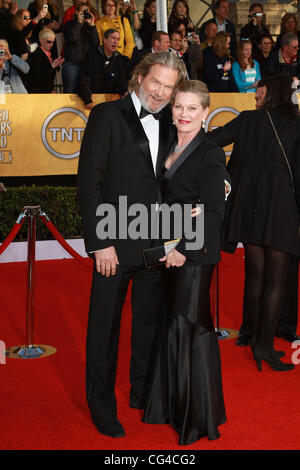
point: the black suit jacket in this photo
(115, 161)
(198, 176)
(40, 78)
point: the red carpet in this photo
(43, 403)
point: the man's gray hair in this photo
(168, 59)
(287, 38)
(110, 31)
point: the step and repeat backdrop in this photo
(41, 134)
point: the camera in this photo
(86, 14)
(190, 35)
(45, 7)
(256, 15)
(126, 2)
(2, 53)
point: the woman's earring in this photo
(203, 124)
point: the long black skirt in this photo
(186, 388)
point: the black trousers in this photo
(107, 299)
(289, 314)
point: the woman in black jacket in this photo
(80, 36)
(216, 69)
(263, 207)
(187, 385)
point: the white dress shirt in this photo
(151, 128)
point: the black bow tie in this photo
(145, 113)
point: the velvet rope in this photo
(11, 236)
(85, 261)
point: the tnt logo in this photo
(62, 132)
(2, 352)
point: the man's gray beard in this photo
(144, 102)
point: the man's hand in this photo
(106, 261)
(174, 258)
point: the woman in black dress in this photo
(263, 208)
(187, 387)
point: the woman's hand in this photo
(174, 258)
(227, 66)
(41, 14)
(196, 211)
(57, 62)
(91, 20)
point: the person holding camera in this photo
(80, 36)
(256, 26)
(10, 68)
(188, 49)
(43, 68)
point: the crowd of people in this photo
(92, 62)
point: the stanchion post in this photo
(30, 350)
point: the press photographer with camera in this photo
(256, 26)
(188, 49)
(10, 66)
(80, 36)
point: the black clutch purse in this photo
(153, 255)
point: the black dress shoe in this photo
(289, 337)
(113, 429)
(243, 340)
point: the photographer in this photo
(256, 27)
(80, 36)
(42, 66)
(10, 66)
(188, 49)
(104, 70)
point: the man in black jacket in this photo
(123, 149)
(104, 70)
(221, 11)
(285, 60)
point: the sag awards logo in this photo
(62, 132)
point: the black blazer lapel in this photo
(136, 127)
(185, 154)
(167, 136)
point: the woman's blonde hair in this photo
(168, 59)
(219, 44)
(46, 33)
(197, 87)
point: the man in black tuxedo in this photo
(123, 149)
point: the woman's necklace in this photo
(178, 149)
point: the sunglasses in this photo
(49, 42)
(26, 17)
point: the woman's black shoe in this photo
(271, 358)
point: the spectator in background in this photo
(70, 12)
(286, 60)
(148, 23)
(80, 36)
(51, 20)
(42, 68)
(21, 28)
(216, 71)
(210, 31)
(103, 70)
(265, 46)
(181, 11)
(289, 24)
(130, 11)
(7, 11)
(111, 20)
(189, 50)
(245, 70)
(160, 42)
(256, 26)
(10, 68)
(221, 12)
